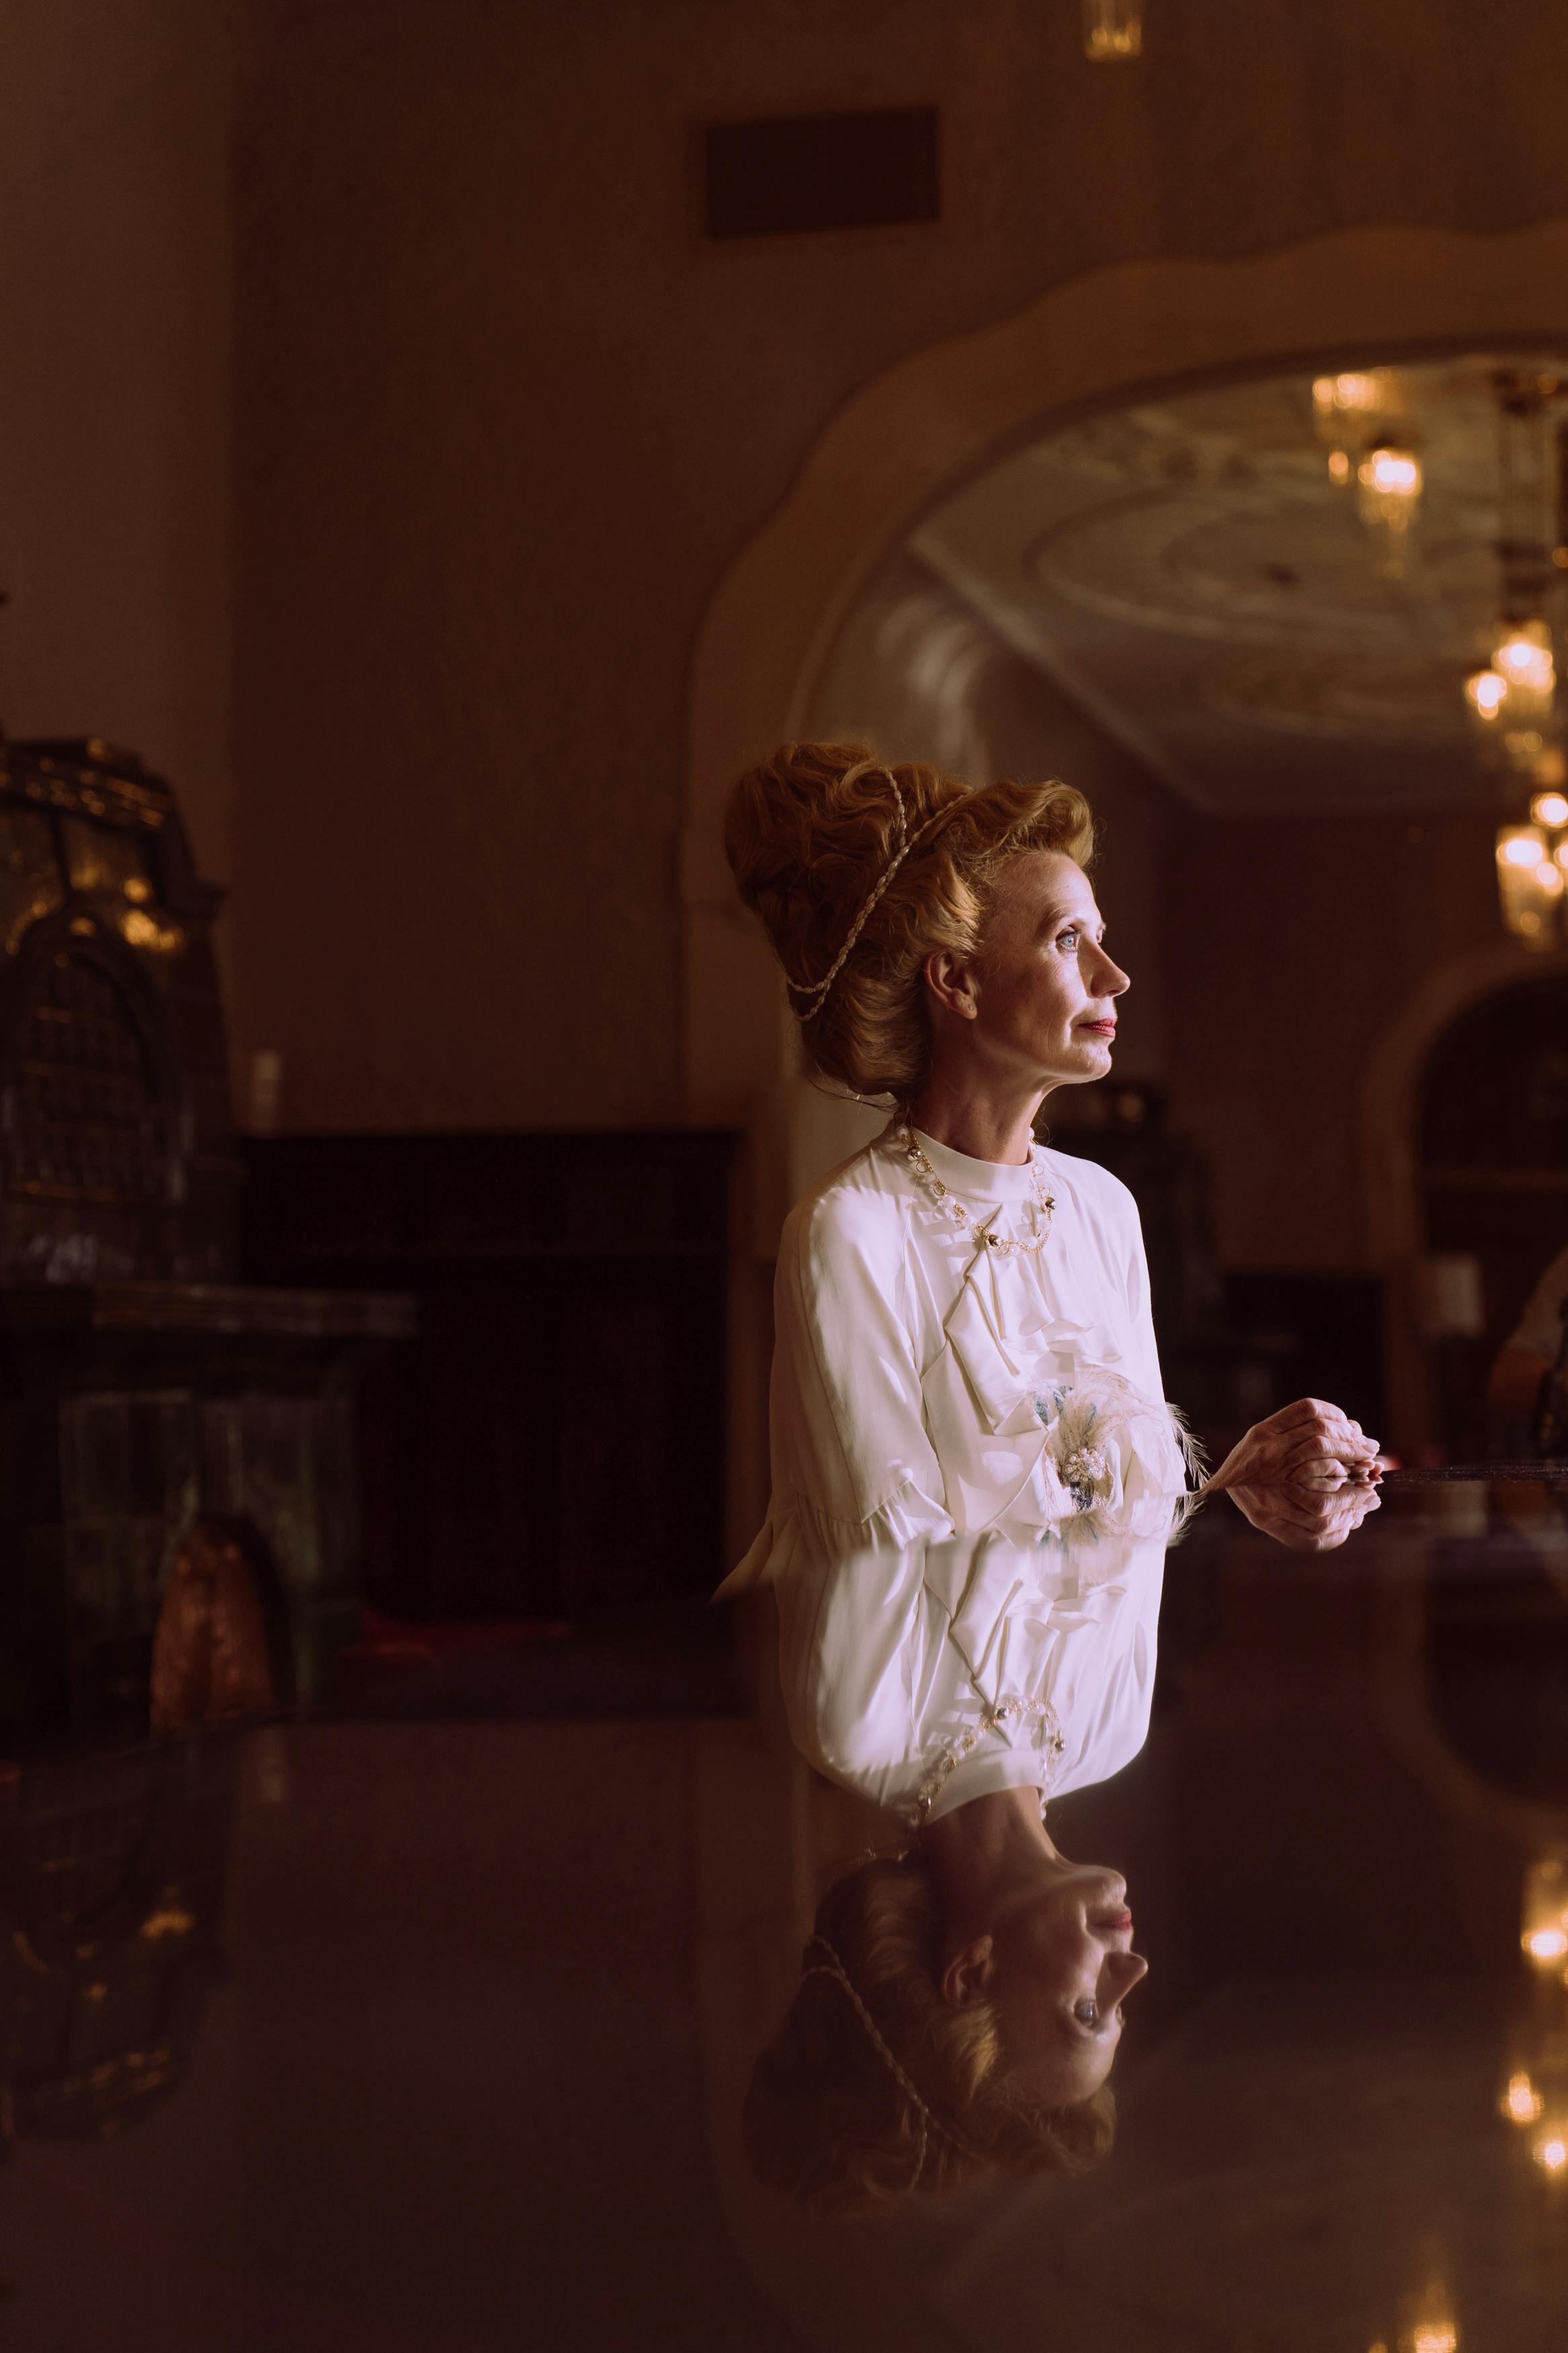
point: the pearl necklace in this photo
(1045, 1202)
(1038, 1714)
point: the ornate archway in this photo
(1392, 1177)
(947, 412)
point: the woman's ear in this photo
(951, 982)
(968, 1973)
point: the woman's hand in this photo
(1309, 1518)
(1305, 1445)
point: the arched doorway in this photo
(907, 443)
(1493, 1142)
(1393, 1099)
(948, 412)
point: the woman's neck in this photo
(982, 1124)
(984, 1851)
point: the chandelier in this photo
(1112, 30)
(1363, 421)
(1513, 697)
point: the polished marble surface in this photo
(456, 2057)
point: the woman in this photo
(960, 2001)
(947, 1295)
(963, 1345)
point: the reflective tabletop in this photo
(394, 2028)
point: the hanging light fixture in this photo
(1486, 691)
(1345, 410)
(1362, 421)
(1388, 493)
(1544, 1910)
(1517, 715)
(1112, 30)
(1512, 697)
(1532, 870)
(1520, 2102)
(1522, 657)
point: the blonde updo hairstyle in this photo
(828, 2121)
(810, 834)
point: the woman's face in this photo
(1061, 1966)
(1043, 988)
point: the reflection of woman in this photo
(963, 1345)
(960, 2006)
(928, 2043)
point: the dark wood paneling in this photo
(797, 174)
(553, 1445)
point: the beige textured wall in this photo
(115, 253)
(502, 421)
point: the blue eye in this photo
(1087, 2012)
(1072, 934)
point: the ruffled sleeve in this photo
(853, 1463)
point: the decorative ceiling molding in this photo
(1188, 571)
(948, 413)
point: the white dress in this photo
(925, 1387)
(1038, 1659)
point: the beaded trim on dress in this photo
(1036, 1714)
(1045, 1203)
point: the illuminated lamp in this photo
(1522, 2103)
(1523, 656)
(1543, 1924)
(1112, 30)
(1388, 493)
(1354, 415)
(1530, 891)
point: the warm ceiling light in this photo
(1547, 1944)
(1486, 689)
(1388, 491)
(1435, 2336)
(1531, 893)
(1112, 30)
(1550, 808)
(1391, 473)
(1550, 2151)
(1356, 414)
(1525, 658)
(1543, 1899)
(1522, 2102)
(1359, 394)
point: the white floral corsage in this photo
(1123, 1460)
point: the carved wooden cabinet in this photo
(141, 1387)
